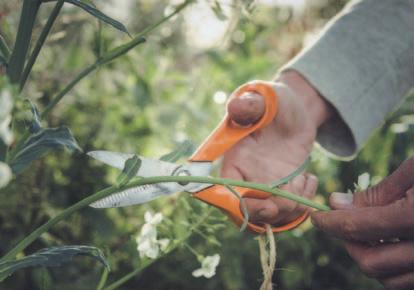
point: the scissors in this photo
(222, 138)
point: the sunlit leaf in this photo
(130, 170)
(41, 143)
(51, 257)
(184, 150)
(218, 10)
(98, 14)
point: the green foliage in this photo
(50, 257)
(40, 143)
(98, 14)
(130, 170)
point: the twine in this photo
(267, 246)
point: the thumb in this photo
(392, 188)
(246, 109)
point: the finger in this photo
(390, 189)
(369, 224)
(262, 210)
(400, 282)
(383, 260)
(246, 109)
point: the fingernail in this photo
(342, 199)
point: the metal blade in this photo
(138, 195)
(149, 167)
(146, 193)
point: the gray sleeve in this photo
(363, 64)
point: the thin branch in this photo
(243, 207)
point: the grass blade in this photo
(98, 14)
(24, 35)
(292, 175)
(4, 49)
(42, 38)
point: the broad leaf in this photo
(130, 170)
(184, 150)
(98, 14)
(51, 257)
(41, 143)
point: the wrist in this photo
(318, 108)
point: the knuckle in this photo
(367, 266)
(349, 229)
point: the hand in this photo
(277, 150)
(378, 226)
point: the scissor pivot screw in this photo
(183, 173)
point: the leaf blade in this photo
(130, 170)
(41, 143)
(100, 15)
(51, 257)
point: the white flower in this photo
(148, 245)
(208, 266)
(6, 106)
(153, 219)
(363, 181)
(5, 174)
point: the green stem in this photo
(151, 180)
(42, 38)
(4, 49)
(22, 43)
(149, 262)
(103, 279)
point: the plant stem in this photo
(4, 49)
(103, 279)
(151, 180)
(149, 262)
(42, 38)
(22, 43)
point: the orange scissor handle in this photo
(225, 136)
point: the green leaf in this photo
(184, 150)
(130, 170)
(51, 257)
(218, 11)
(98, 14)
(35, 125)
(292, 175)
(40, 143)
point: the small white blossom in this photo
(6, 106)
(148, 245)
(153, 219)
(208, 266)
(5, 174)
(363, 181)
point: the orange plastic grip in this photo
(227, 133)
(225, 136)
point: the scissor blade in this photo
(149, 167)
(137, 195)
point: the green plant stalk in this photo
(39, 43)
(151, 180)
(4, 49)
(22, 43)
(149, 262)
(103, 279)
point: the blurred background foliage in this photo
(171, 89)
